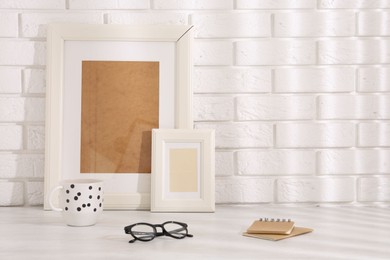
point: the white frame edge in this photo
(56, 36)
(207, 139)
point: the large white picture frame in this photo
(66, 43)
(183, 170)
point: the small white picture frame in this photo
(183, 174)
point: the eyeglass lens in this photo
(143, 232)
(176, 230)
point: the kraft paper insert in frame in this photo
(120, 107)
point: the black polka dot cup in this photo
(80, 201)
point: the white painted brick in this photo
(275, 52)
(32, 4)
(9, 25)
(22, 53)
(315, 134)
(272, 4)
(312, 24)
(147, 18)
(314, 189)
(224, 163)
(229, 80)
(11, 193)
(35, 137)
(354, 4)
(354, 107)
(339, 79)
(35, 195)
(12, 108)
(276, 162)
(354, 161)
(233, 25)
(372, 189)
(22, 109)
(374, 134)
(374, 79)
(354, 51)
(21, 165)
(213, 53)
(11, 137)
(35, 24)
(244, 190)
(374, 23)
(272, 107)
(34, 109)
(193, 4)
(240, 135)
(213, 108)
(10, 80)
(34, 81)
(104, 4)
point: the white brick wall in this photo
(275, 52)
(240, 135)
(11, 193)
(10, 80)
(374, 23)
(15, 52)
(32, 4)
(305, 189)
(313, 135)
(275, 107)
(244, 190)
(311, 24)
(194, 4)
(34, 81)
(34, 24)
(213, 53)
(374, 79)
(359, 161)
(147, 18)
(276, 162)
(228, 80)
(213, 108)
(354, 107)
(11, 137)
(374, 134)
(323, 79)
(243, 25)
(354, 51)
(104, 4)
(298, 92)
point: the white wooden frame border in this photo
(206, 138)
(181, 35)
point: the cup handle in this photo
(51, 198)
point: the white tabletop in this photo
(339, 233)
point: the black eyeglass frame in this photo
(128, 230)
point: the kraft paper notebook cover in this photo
(275, 237)
(264, 226)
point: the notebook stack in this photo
(275, 229)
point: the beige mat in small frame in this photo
(183, 178)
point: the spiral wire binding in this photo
(275, 219)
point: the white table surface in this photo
(339, 233)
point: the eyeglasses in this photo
(146, 232)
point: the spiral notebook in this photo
(275, 229)
(271, 226)
(275, 237)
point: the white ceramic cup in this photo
(80, 201)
